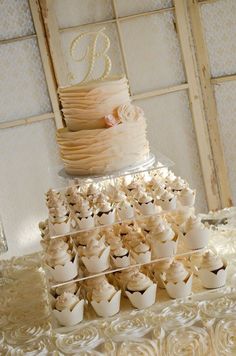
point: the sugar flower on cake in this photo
(59, 218)
(84, 215)
(196, 235)
(111, 120)
(61, 260)
(163, 241)
(129, 112)
(178, 281)
(141, 291)
(105, 299)
(145, 203)
(187, 197)
(68, 309)
(96, 256)
(167, 201)
(212, 271)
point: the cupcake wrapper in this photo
(147, 209)
(179, 290)
(106, 219)
(85, 223)
(196, 238)
(64, 273)
(70, 318)
(120, 262)
(60, 229)
(96, 264)
(105, 308)
(211, 280)
(142, 257)
(164, 249)
(143, 300)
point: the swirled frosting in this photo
(105, 207)
(163, 232)
(118, 197)
(141, 248)
(211, 262)
(92, 190)
(66, 301)
(120, 251)
(144, 198)
(69, 288)
(57, 253)
(94, 248)
(167, 196)
(83, 209)
(176, 272)
(83, 238)
(104, 291)
(139, 282)
(178, 184)
(194, 223)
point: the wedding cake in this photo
(104, 132)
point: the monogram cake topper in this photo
(92, 54)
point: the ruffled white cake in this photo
(104, 132)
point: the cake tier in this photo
(85, 106)
(104, 150)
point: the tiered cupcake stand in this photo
(182, 253)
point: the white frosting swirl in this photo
(163, 232)
(141, 248)
(194, 223)
(211, 262)
(178, 184)
(144, 198)
(176, 272)
(83, 209)
(94, 248)
(57, 253)
(105, 207)
(139, 282)
(120, 251)
(66, 301)
(104, 291)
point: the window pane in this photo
(153, 52)
(15, 19)
(226, 105)
(130, 7)
(77, 12)
(23, 90)
(29, 165)
(170, 131)
(219, 21)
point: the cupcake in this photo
(178, 281)
(105, 299)
(122, 278)
(52, 196)
(163, 241)
(68, 309)
(120, 256)
(178, 185)
(106, 213)
(92, 192)
(141, 291)
(196, 235)
(125, 210)
(159, 269)
(212, 271)
(67, 288)
(73, 196)
(187, 197)
(167, 201)
(141, 252)
(61, 261)
(132, 189)
(84, 215)
(59, 218)
(145, 204)
(96, 256)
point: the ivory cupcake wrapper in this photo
(85, 223)
(147, 208)
(72, 317)
(142, 257)
(143, 300)
(107, 219)
(64, 273)
(60, 228)
(108, 308)
(127, 213)
(211, 280)
(97, 264)
(181, 289)
(164, 249)
(120, 262)
(196, 238)
(168, 205)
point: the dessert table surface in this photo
(202, 324)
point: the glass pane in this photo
(130, 7)
(77, 12)
(153, 52)
(219, 21)
(15, 19)
(226, 105)
(29, 165)
(79, 69)
(170, 130)
(23, 90)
